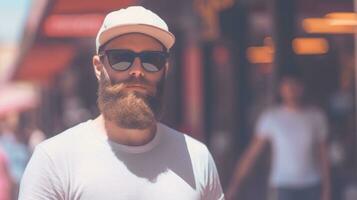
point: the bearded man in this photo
(125, 153)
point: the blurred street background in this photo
(225, 67)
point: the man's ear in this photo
(167, 67)
(97, 66)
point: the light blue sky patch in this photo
(13, 14)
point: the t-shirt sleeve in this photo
(264, 125)
(40, 180)
(213, 190)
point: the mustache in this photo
(131, 80)
(113, 89)
(117, 86)
(113, 81)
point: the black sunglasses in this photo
(122, 59)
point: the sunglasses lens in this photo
(121, 66)
(120, 60)
(153, 61)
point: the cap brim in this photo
(165, 37)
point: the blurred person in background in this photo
(125, 153)
(297, 134)
(5, 178)
(13, 141)
(28, 126)
(73, 109)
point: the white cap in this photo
(134, 19)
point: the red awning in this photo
(50, 53)
(42, 62)
(89, 6)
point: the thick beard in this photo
(128, 109)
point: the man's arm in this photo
(325, 171)
(4, 170)
(213, 190)
(244, 165)
(40, 180)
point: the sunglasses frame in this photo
(136, 55)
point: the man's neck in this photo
(130, 137)
(293, 105)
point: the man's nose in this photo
(136, 69)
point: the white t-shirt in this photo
(82, 164)
(294, 136)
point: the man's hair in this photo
(283, 79)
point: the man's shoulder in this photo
(270, 112)
(66, 139)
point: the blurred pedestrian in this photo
(297, 134)
(125, 153)
(5, 178)
(13, 141)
